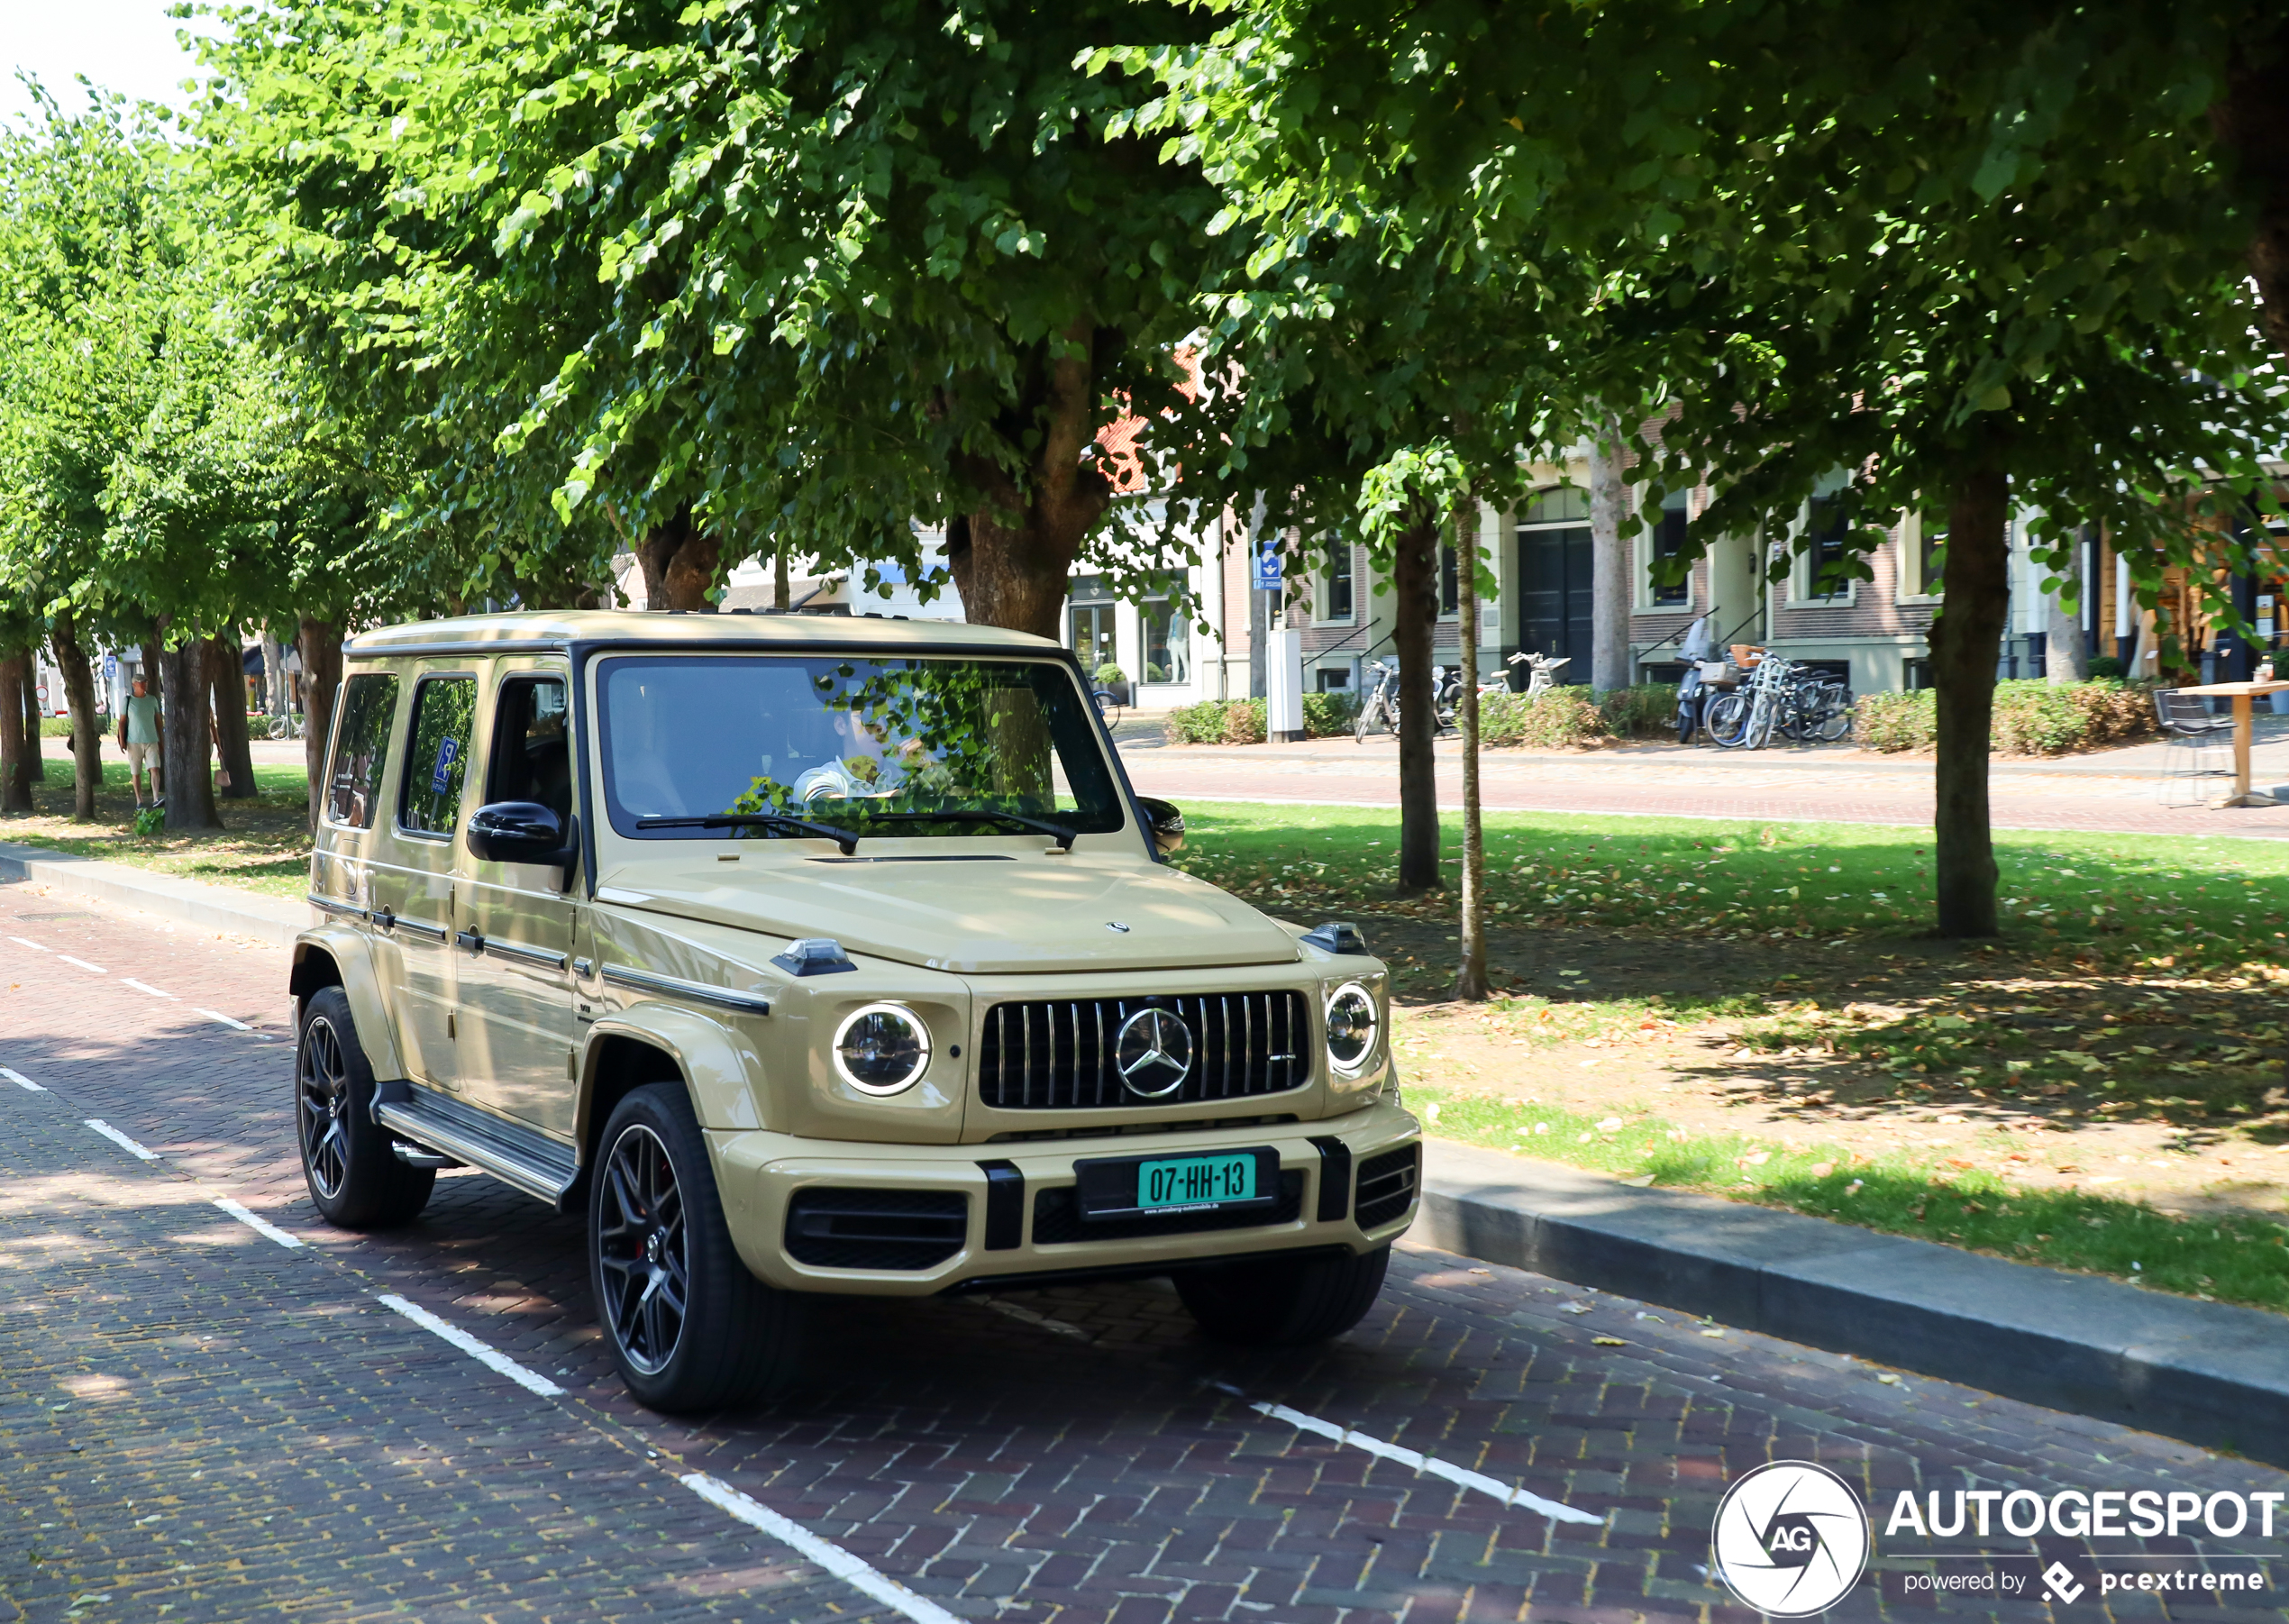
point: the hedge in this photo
(2032, 718)
(1561, 718)
(1241, 721)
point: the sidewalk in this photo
(2113, 791)
(218, 907)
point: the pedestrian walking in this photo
(139, 725)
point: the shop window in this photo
(1168, 640)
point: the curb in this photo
(273, 920)
(2210, 1373)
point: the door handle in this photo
(473, 940)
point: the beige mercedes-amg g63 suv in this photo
(819, 954)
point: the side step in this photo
(514, 1155)
(412, 1155)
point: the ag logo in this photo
(1792, 1538)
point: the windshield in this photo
(714, 747)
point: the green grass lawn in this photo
(264, 846)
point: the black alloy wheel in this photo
(640, 1252)
(355, 1180)
(689, 1327)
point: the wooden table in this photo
(2245, 730)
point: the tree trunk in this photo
(319, 643)
(2253, 120)
(86, 732)
(274, 683)
(1609, 593)
(1022, 540)
(184, 744)
(1414, 593)
(782, 591)
(15, 746)
(1470, 978)
(679, 563)
(227, 666)
(1966, 640)
(151, 672)
(2066, 655)
(36, 767)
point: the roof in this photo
(671, 629)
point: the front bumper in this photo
(1016, 1216)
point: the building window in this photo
(1931, 554)
(1449, 603)
(1168, 640)
(1668, 542)
(1337, 584)
(1824, 551)
(1091, 619)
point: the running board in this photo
(517, 1156)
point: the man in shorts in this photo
(139, 733)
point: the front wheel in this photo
(1727, 719)
(1284, 1302)
(689, 1327)
(356, 1181)
(1369, 714)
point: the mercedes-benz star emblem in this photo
(1154, 1053)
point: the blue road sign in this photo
(1267, 565)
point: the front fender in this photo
(720, 1063)
(352, 952)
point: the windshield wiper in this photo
(1059, 832)
(843, 838)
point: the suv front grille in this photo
(1057, 1219)
(876, 1228)
(1062, 1054)
(1387, 1185)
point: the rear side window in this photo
(361, 750)
(531, 756)
(437, 755)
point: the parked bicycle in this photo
(1542, 671)
(1108, 707)
(1380, 709)
(1780, 699)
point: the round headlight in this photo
(881, 1049)
(1351, 1026)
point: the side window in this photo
(532, 745)
(361, 750)
(437, 754)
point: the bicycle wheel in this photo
(1108, 706)
(1762, 720)
(1726, 717)
(1835, 723)
(1368, 714)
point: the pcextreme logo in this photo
(1791, 1539)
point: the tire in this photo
(1727, 719)
(1369, 714)
(1284, 1302)
(355, 1181)
(689, 1327)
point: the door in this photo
(518, 1044)
(416, 910)
(1553, 596)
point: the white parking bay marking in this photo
(129, 980)
(1505, 1492)
(226, 1020)
(122, 1140)
(21, 1081)
(258, 1223)
(27, 941)
(833, 1559)
(84, 964)
(531, 1381)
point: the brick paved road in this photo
(1072, 1455)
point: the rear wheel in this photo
(1284, 1302)
(355, 1180)
(1727, 719)
(689, 1327)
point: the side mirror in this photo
(519, 831)
(1165, 822)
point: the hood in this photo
(970, 915)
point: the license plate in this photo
(1148, 1186)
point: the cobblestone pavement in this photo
(2115, 791)
(197, 1423)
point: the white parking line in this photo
(25, 942)
(129, 980)
(122, 1140)
(833, 1559)
(226, 1020)
(21, 1081)
(531, 1381)
(83, 964)
(1505, 1492)
(258, 1223)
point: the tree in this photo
(1610, 585)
